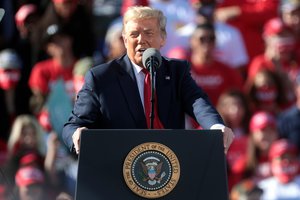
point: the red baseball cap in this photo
(23, 12)
(29, 175)
(273, 27)
(281, 147)
(128, 3)
(261, 120)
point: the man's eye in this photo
(149, 33)
(134, 35)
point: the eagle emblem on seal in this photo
(152, 169)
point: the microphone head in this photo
(154, 55)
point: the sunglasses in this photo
(207, 39)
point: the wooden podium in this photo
(151, 164)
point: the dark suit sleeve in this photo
(86, 110)
(196, 101)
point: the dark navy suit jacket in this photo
(109, 99)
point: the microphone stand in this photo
(152, 97)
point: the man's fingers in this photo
(76, 138)
(225, 141)
(76, 141)
(227, 138)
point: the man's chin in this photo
(138, 61)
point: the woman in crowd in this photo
(265, 92)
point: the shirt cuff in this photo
(217, 126)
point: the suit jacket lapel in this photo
(130, 90)
(163, 91)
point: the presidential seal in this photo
(151, 170)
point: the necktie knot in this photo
(145, 71)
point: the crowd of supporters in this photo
(245, 54)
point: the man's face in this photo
(140, 35)
(285, 167)
(66, 8)
(292, 19)
(203, 42)
(264, 137)
(59, 45)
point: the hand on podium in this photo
(228, 135)
(76, 138)
(227, 138)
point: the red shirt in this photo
(216, 78)
(237, 159)
(45, 73)
(254, 14)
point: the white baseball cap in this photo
(9, 59)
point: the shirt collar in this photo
(137, 69)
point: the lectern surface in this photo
(105, 155)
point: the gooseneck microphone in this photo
(152, 61)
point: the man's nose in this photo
(141, 38)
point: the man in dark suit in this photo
(112, 95)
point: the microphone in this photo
(151, 59)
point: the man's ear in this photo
(163, 41)
(124, 40)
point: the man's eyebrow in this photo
(147, 29)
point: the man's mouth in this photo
(141, 50)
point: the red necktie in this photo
(147, 103)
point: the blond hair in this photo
(16, 133)
(145, 12)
